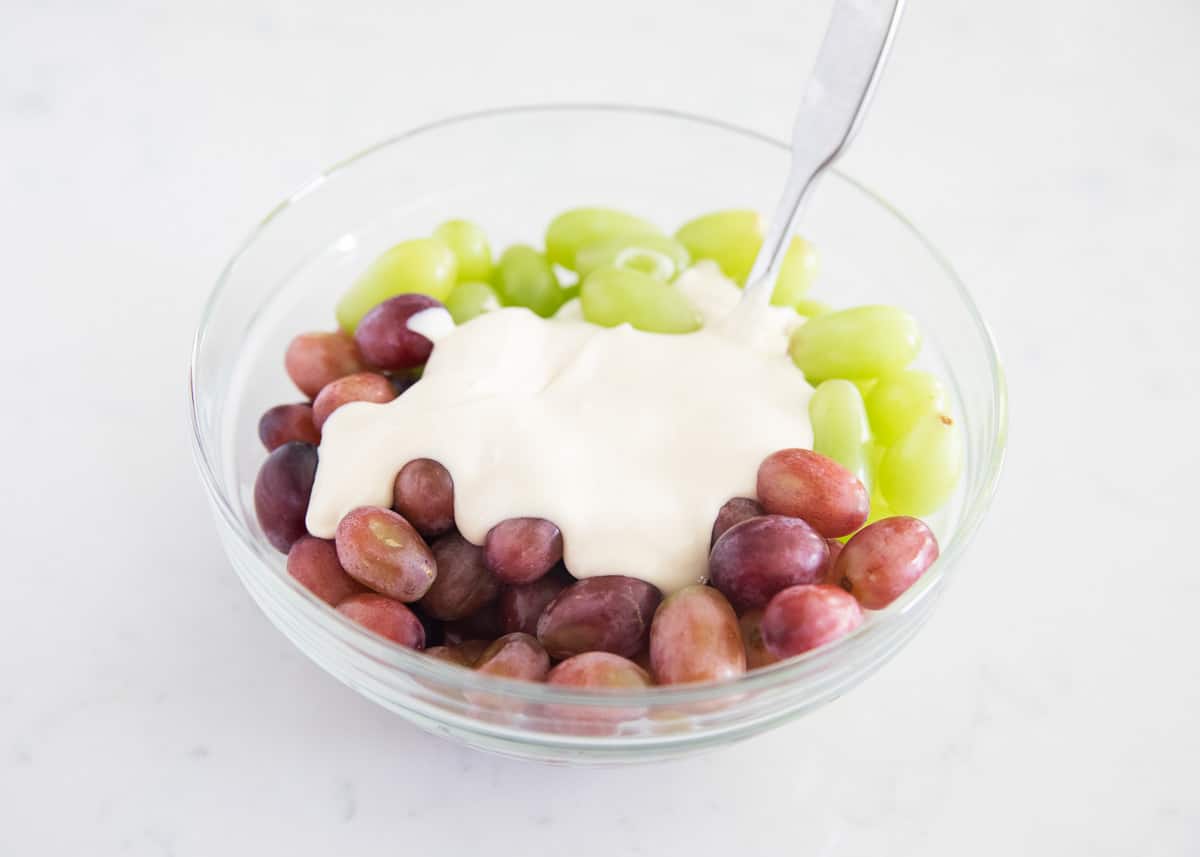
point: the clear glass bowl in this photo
(511, 170)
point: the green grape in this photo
(729, 238)
(656, 255)
(470, 245)
(423, 265)
(865, 386)
(796, 275)
(809, 308)
(524, 278)
(579, 227)
(840, 427)
(920, 471)
(470, 299)
(613, 296)
(862, 342)
(898, 401)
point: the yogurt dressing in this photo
(629, 441)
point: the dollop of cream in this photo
(629, 441)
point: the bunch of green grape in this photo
(883, 420)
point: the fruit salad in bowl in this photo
(566, 489)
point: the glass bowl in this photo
(511, 170)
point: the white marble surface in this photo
(146, 708)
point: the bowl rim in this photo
(867, 638)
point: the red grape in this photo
(314, 360)
(757, 655)
(758, 557)
(800, 483)
(520, 550)
(449, 654)
(472, 650)
(383, 336)
(801, 618)
(380, 549)
(484, 624)
(599, 614)
(285, 423)
(282, 490)
(517, 656)
(314, 563)
(424, 495)
(600, 671)
(521, 606)
(362, 387)
(463, 583)
(386, 617)
(831, 575)
(734, 512)
(695, 637)
(884, 559)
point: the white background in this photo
(146, 708)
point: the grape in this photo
(286, 423)
(424, 265)
(695, 637)
(521, 606)
(750, 625)
(734, 512)
(612, 296)
(520, 550)
(524, 278)
(471, 249)
(885, 558)
(361, 387)
(383, 336)
(463, 583)
(573, 230)
(835, 550)
(657, 255)
(801, 618)
(840, 427)
(800, 483)
(599, 671)
(758, 557)
(485, 623)
(516, 656)
(863, 342)
(610, 613)
(282, 490)
(380, 549)
(314, 563)
(449, 654)
(796, 275)
(919, 473)
(730, 238)
(313, 360)
(471, 299)
(865, 386)
(810, 308)
(898, 401)
(424, 495)
(385, 616)
(472, 650)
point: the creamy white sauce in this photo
(629, 441)
(433, 323)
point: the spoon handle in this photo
(831, 109)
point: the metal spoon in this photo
(835, 99)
